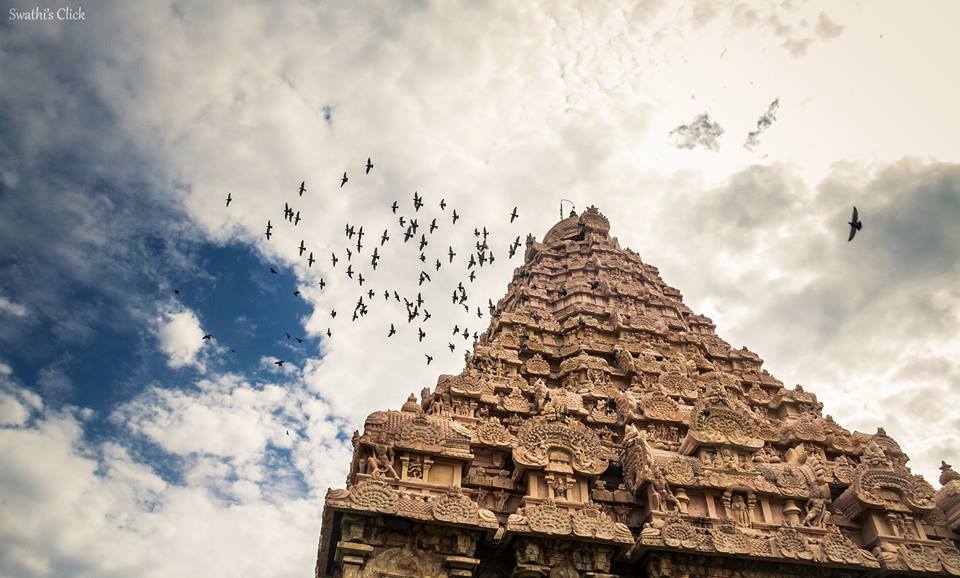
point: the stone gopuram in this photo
(601, 428)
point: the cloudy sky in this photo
(726, 142)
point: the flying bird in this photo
(333, 314)
(303, 187)
(451, 254)
(273, 270)
(394, 206)
(348, 230)
(228, 199)
(369, 165)
(350, 271)
(451, 346)
(855, 224)
(455, 216)
(429, 359)
(417, 201)
(322, 284)
(279, 362)
(433, 226)
(296, 220)
(513, 215)
(421, 333)
(310, 260)
(343, 180)
(302, 248)
(329, 333)
(333, 257)
(207, 337)
(392, 331)
(443, 204)
(269, 226)
(384, 237)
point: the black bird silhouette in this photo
(455, 216)
(429, 359)
(451, 346)
(426, 315)
(511, 252)
(350, 271)
(207, 337)
(310, 260)
(419, 299)
(421, 333)
(360, 278)
(296, 293)
(298, 340)
(392, 331)
(433, 226)
(228, 199)
(490, 305)
(369, 165)
(322, 284)
(472, 262)
(424, 275)
(360, 232)
(413, 225)
(479, 313)
(349, 254)
(396, 296)
(443, 204)
(273, 270)
(269, 226)
(402, 220)
(384, 237)
(466, 333)
(333, 257)
(303, 187)
(438, 264)
(279, 362)
(333, 314)
(394, 206)
(302, 248)
(456, 329)
(329, 333)
(485, 233)
(370, 294)
(490, 257)
(476, 232)
(296, 220)
(343, 180)
(423, 242)
(348, 230)
(417, 201)
(359, 245)
(451, 254)
(423, 258)
(176, 291)
(473, 275)
(513, 215)
(386, 294)
(855, 224)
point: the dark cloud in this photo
(701, 131)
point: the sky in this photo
(725, 141)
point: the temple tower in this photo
(601, 428)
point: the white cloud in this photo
(11, 308)
(181, 338)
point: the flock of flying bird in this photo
(480, 255)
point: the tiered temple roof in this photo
(601, 428)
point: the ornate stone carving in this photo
(538, 436)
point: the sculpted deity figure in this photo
(740, 515)
(385, 457)
(624, 360)
(540, 393)
(662, 498)
(817, 514)
(873, 455)
(628, 407)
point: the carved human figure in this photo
(817, 514)
(662, 498)
(385, 458)
(540, 393)
(738, 507)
